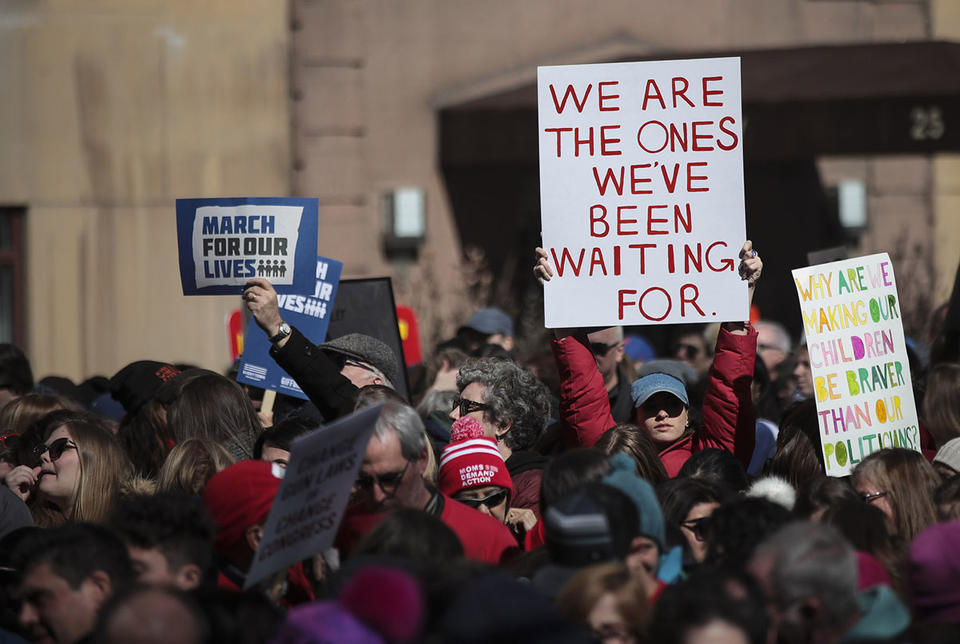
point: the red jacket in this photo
(728, 415)
(483, 537)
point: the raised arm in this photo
(316, 374)
(729, 420)
(584, 403)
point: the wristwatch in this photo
(282, 332)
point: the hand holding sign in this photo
(641, 190)
(751, 266)
(261, 299)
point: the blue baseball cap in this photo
(654, 383)
(489, 321)
(638, 348)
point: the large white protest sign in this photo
(858, 356)
(641, 192)
(309, 505)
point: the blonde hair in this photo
(191, 464)
(433, 468)
(22, 412)
(104, 466)
(910, 483)
(579, 596)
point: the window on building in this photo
(12, 267)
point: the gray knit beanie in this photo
(949, 454)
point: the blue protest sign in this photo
(309, 313)
(225, 242)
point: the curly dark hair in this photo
(514, 397)
(734, 530)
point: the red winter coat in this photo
(728, 415)
(483, 537)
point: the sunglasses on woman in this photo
(697, 526)
(467, 406)
(54, 449)
(663, 401)
(490, 501)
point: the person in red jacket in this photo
(728, 417)
(391, 477)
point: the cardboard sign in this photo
(309, 313)
(367, 306)
(641, 192)
(225, 242)
(309, 505)
(858, 356)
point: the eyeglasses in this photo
(10, 441)
(601, 349)
(686, 351)
(490, 501)
(870, 497)
(662, 401)
(55, 449)
(350, 362)
(697, 527)
(388, 483)
(769, 347)
(468, 406)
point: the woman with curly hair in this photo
(513, 407)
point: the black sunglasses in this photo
(665, 401)
(55, 449)
(689, 351)
(388, 482)
(491, 500)
(601, 349)
(697, 526)
(467, 406)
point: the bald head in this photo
(152, 616)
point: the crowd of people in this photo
(617, 492)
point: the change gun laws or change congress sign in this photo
(641, 192)
(858, 357)
(225, 242)
(309, 505)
